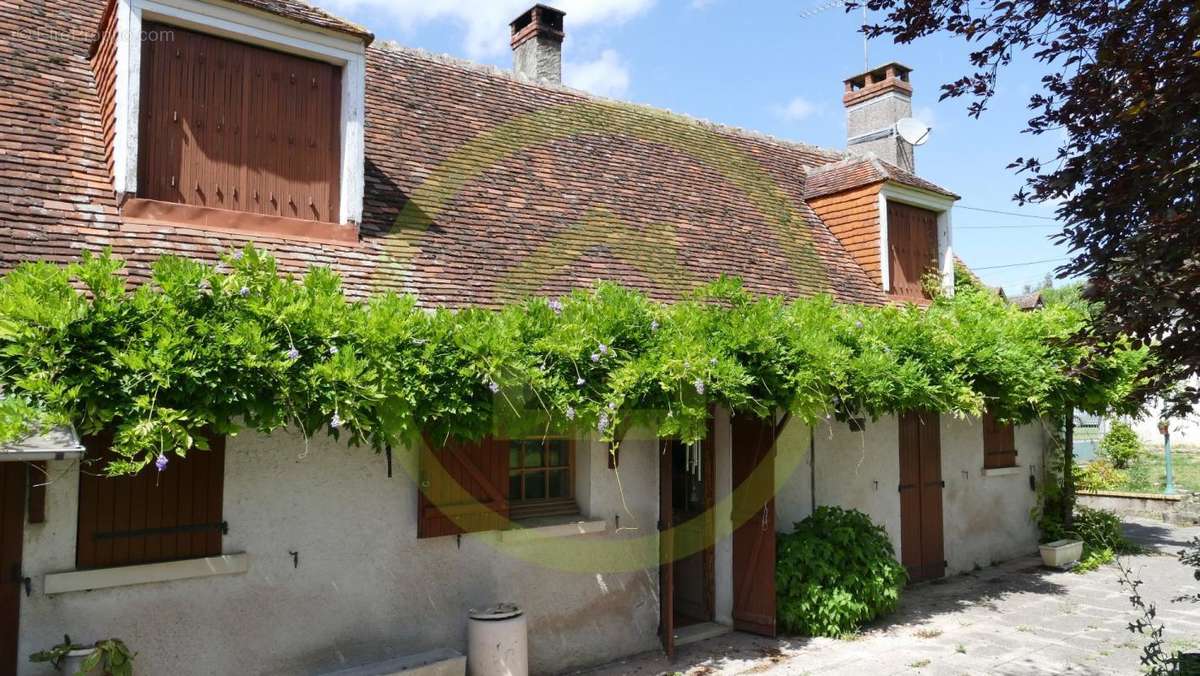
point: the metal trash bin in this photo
(497, 642)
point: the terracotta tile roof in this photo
(480, 188)
(298, 10)
(855, 172)
(1028, 301)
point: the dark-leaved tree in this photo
(1124, 92)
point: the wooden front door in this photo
(754, 525)
(12, 518)
(921, 544)
(666, 552)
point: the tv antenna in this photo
(831, 4)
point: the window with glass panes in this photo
(541, 479)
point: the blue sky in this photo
(774, 66)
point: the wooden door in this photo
(12, 516)
(666, 552)
(921, 539)
(754, 525)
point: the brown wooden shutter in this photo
(999, 443)
(227, 125)
(754, 524)
(912, 242)
(464, 488)
(153, 516)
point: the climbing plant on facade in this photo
(240, 345)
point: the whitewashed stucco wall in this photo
(986, 518)
(365, 588)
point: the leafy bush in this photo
(836, 571)
(1098, 475)
(1120, 446)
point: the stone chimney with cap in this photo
(875, 101)
(537, 37)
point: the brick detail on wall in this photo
(853, 217)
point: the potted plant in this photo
(110, 657)
(1061, 553)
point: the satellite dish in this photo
(912, 130)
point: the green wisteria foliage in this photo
(240, 345)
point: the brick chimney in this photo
(537, 37)
(874, 101)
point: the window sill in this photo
(142, 211)
(1003, 471)
(551, 527)
(125, 576)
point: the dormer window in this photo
(231, 126)
(226, 118)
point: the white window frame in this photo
(942, 205)
(253, 27)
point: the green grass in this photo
(1148, 473)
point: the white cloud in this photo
(607, 75)
(796, 110)
(485, 21)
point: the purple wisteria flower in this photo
(160, 463)
(556, 305)
(712, 362)
(244, 291)
(492, 385)
(612, 406)
(237, 255)
(699, 385)
(581, 382)
(602, 423)
(653, 324)
(603, 349)
(595, 356)
(293, 354)
(570, 413)
(335, 422)
(333, 349)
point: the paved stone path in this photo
(1016, 618)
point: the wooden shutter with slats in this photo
(464, 488)
(152, 516)
(999, 443)
(912, 242)
(227, 125)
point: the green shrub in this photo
(1120, 446)
(1098, 475)
(836, 571)
(1101, 529)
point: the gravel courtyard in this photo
(1016, 618)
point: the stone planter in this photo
(1061, 553)
(73, 663)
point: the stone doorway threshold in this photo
(702, 631)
